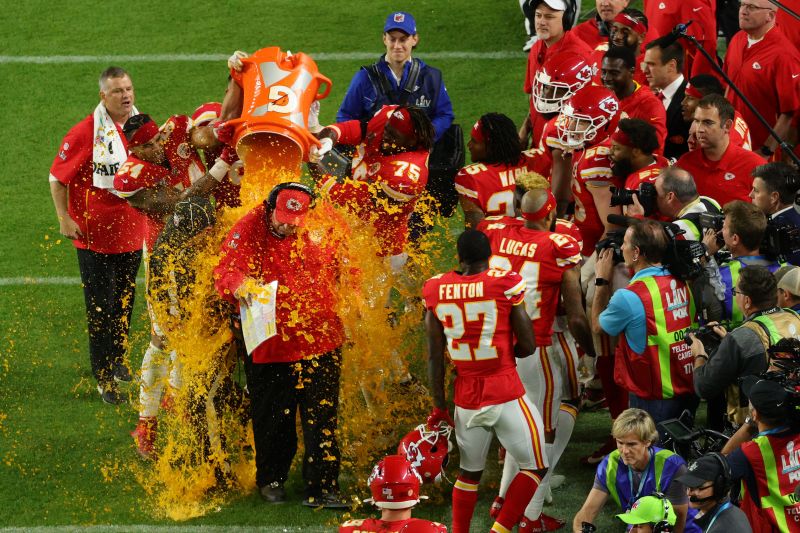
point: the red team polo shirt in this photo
(383, 189)
(768, 73)
(536, 58)
(541, 258)
(724, 180)
(664, 15)
(476, 314)
(108, 224)
(645, 105)
(307, 274)
(491, 187)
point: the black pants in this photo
(277, 390)
(109, 284)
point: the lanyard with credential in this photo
(643, 479)
(719, 512)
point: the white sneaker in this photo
(530, 43)
(556, 480)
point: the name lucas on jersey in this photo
(512, 247)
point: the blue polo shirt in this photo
(625, 312)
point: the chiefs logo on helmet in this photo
(427, 451)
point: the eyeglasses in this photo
(752, 7)
(736, 291)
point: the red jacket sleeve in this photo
(241, 249)
(349, 132)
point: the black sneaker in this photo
(110, 393)
(122, 373)
(330, 500)
(273, 493)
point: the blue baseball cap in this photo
(402, 21)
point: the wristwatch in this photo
(599, 282)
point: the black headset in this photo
(663, 525)
(272, 199)
(723, 482)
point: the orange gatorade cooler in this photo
(278, 88)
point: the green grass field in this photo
(63, 453)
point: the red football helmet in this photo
(559, 78)
(588, 117)
(427, 450)
(394, 483)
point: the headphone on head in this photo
(569, 13)
(723, 482)
(272, 199)
(663, 525)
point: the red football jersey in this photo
(647, 174)
(184, 161)
(491, 187)
(728, 179)
(645, 105)
(767, 73)
(740, 132)
(540, 257)
(135, 175)
(566, 227)
(591, 168)
(476, 314)
(383, 189)
(108, 224)
(375, 525)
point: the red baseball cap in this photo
(291, 206)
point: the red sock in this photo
(518, 496)
(465, 496)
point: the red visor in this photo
(144, 134)
(543, 211)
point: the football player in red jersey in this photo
(561, 76)
(546, 261)
(390, 170)
(628, 30)
(586, 123)
(394, 484)
(161, 164)
(635, 100)
(632, 147)
(476, 313)
(486, 187)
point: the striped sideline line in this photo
(55, 280)
(145, 528)
(169, 58)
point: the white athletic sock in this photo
(510, 470)
(176, 372)
(534, 508)
(154, 375)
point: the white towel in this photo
(108, 150)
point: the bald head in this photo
(680, 182)
(533, 200)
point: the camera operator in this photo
(708, 483)
(775, 187)
(635, 469)
(743, 231)
(742, 351)
(788, 278)
(768, 464)
(650, 312)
